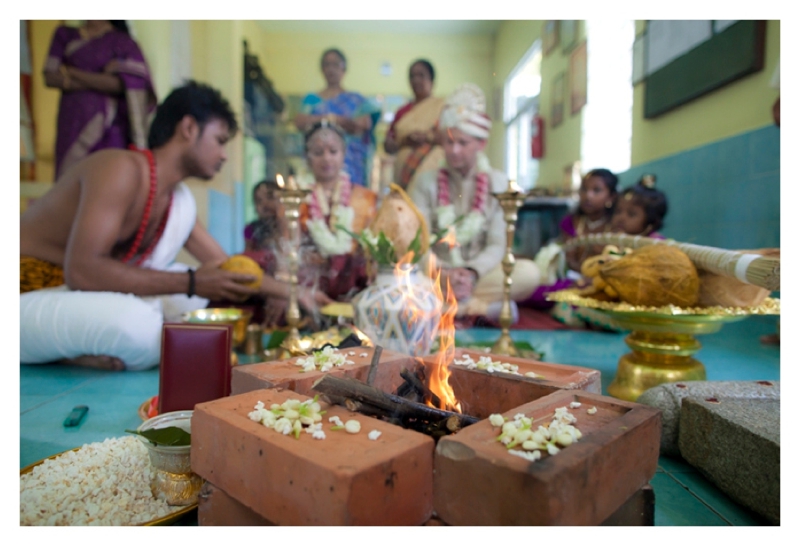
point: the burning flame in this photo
(279, 180)
(450, 240)
(438, 376)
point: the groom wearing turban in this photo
(461, 189)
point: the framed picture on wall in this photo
(550, 36)
(577, 78)
(568, 31)
(557, 100)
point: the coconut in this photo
(399, 219)
(239, 263)
(654, 275)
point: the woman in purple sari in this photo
(107, 95)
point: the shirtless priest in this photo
(97, 271)
(462, 187)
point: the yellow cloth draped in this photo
(410, 162)
(35, 274)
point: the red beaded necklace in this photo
(137, 241)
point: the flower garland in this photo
(472, 224)
(330, 240)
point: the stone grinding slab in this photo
(736, 444)
(668, 397)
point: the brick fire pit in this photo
(403, 477)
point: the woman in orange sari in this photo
(412, 135)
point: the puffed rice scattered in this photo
(324, 360)
(290, 417)
(574, 405)
(486, 364)
(336, 420)
(374, 434)
(102, 483)
(592, 410)
(520, 432)
(496, 420)
(364, 355)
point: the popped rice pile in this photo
(102, 483)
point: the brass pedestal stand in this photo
(662, 350)
(510, 201)
(662, 339)
(291, 197)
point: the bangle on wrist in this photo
(190, 292)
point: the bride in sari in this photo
(332, 259)
(412, 135)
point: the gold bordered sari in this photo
(410, 162)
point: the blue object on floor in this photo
(683, 496)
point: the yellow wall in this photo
(153, 38)
(562, 143)
(292, 62)
(736, 108)
(45, 100)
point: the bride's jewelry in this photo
(329, 239)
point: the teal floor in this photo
(683, 496)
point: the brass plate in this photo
(770, 306)
(166, 520)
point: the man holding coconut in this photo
(97, 271)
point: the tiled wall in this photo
(725, 194)
(226, 218)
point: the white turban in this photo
(465, 110)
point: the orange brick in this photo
(287, 374)
(215, 507)
(476, 482)
(344, 479)
(482, 393)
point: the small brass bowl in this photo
(239, 318)
(173, 480)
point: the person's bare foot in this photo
(98, 362)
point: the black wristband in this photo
(190, 292)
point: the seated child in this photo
(640, 209)
(597, 195)
(262, 236)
